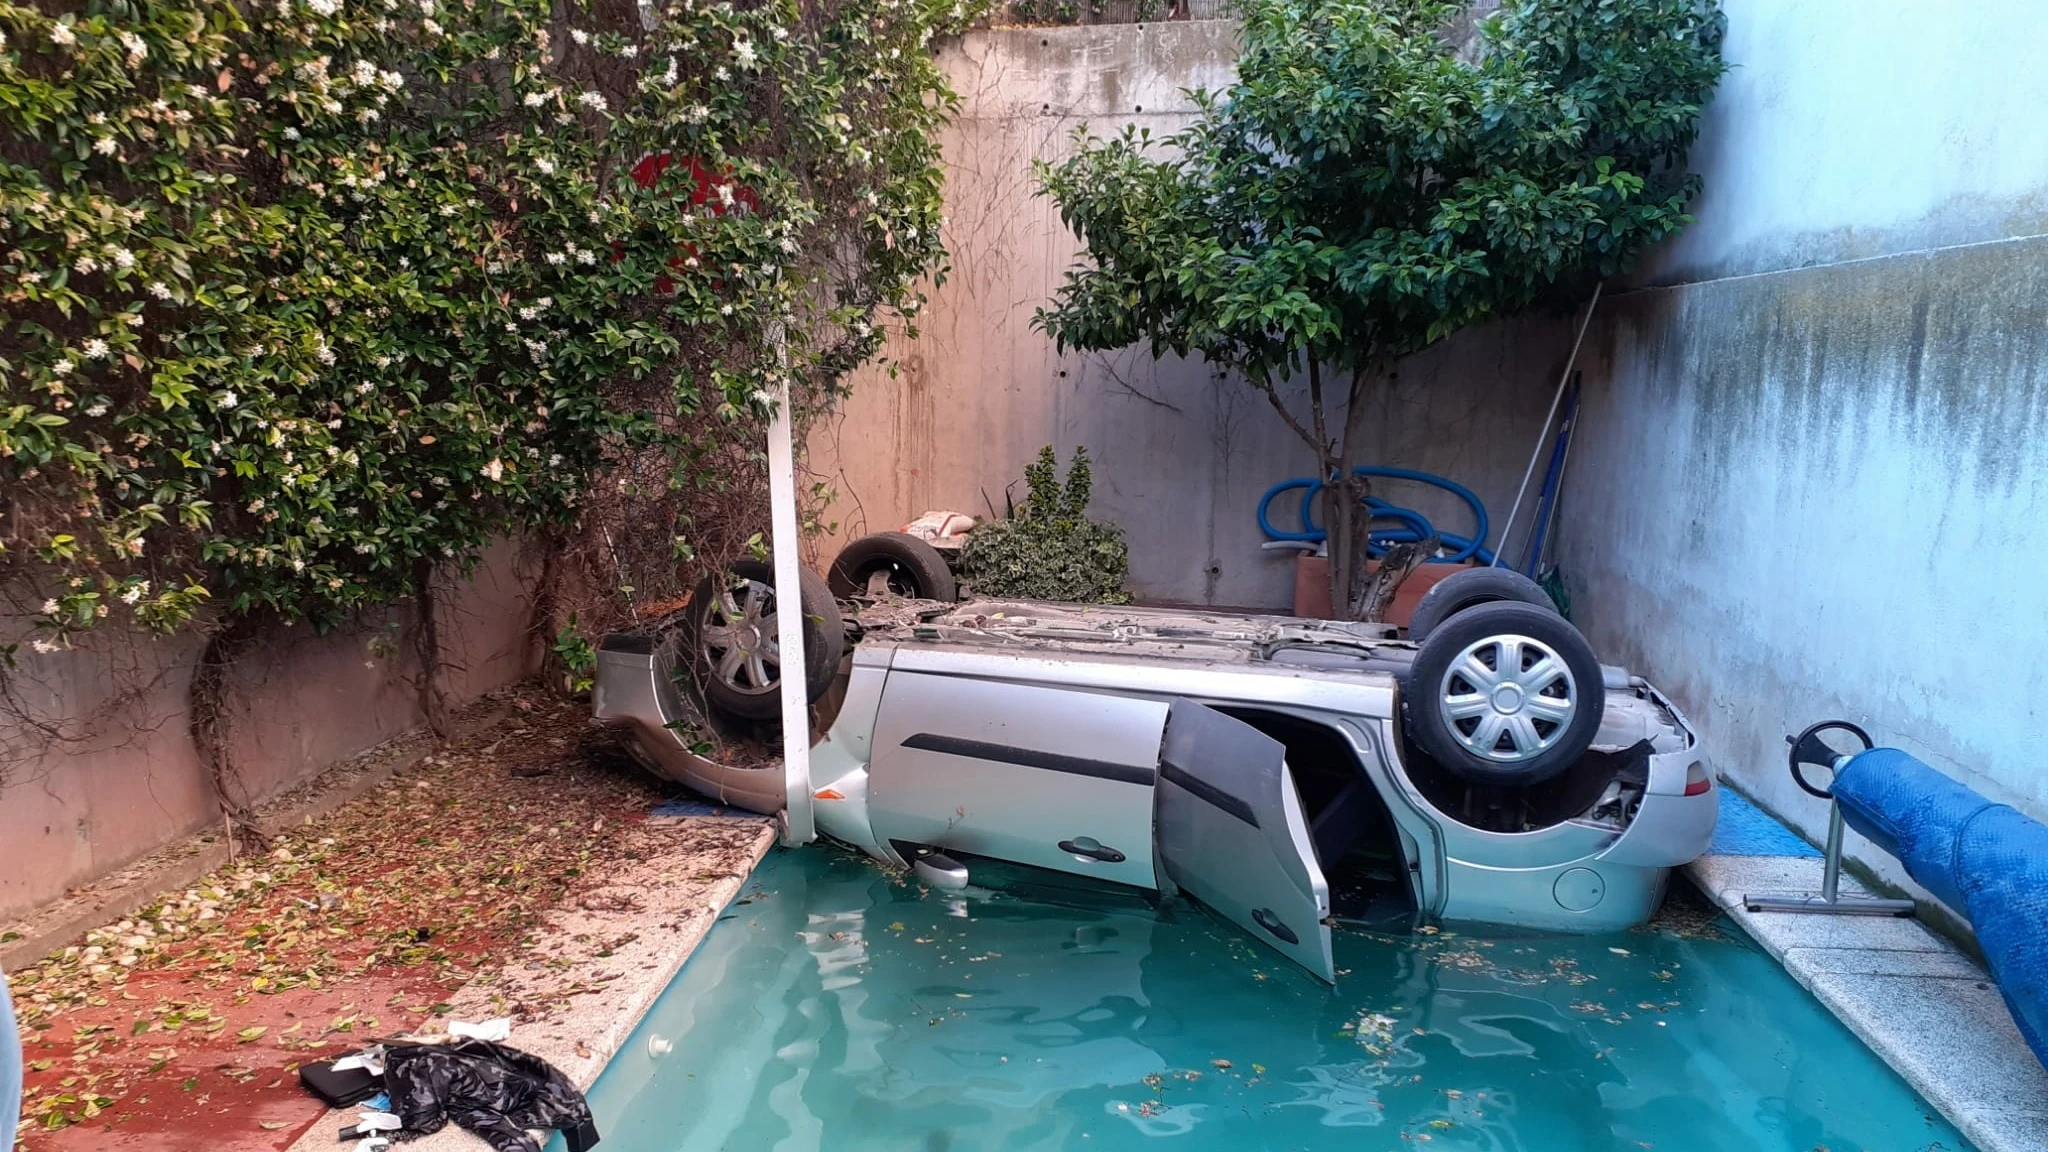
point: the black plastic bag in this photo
(494, 1091)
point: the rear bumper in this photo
(1668, 830)
(1671, 828)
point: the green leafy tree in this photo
(1381, 175)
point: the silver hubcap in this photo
(740, 637)
(1507, 698)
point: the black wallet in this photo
(339, 1089)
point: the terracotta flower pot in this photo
(1312, 588)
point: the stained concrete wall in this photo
(1179, 455)
(1808, 481)
(1182, 452)
(1821, 493)
(301, 701)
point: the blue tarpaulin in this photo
(1986, 861)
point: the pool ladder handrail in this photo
(1808, 748)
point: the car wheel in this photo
(911, 568)
(734, 624)
(1461, 590)
(1505, 694)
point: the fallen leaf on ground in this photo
(416, 888)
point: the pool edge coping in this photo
(582, 1039)
(1894, 983)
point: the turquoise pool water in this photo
(838, 1009)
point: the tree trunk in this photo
(1397, 565)
(1336, 530)
(211, 723)
(1336, 525)
(1352, 595)
(1346, 523)
(542, 624)
(426, 642)
(1346, 544)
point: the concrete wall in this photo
(1811, 479)
(1182, 452)
(303, 701)
(1808, 482)
(1814, 482)
(1821, 493)
(1180, 456)
(1847, 129)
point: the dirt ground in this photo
(181, 1027)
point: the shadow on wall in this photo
(130, 782)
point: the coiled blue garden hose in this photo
(1413, 526)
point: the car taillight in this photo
(1697, 781)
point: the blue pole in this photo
(1546, 503)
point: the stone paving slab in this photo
(1805, 963)
(1728, 878)
(1780, 931)
(2016, 1128)
(1927, 1009)
(1952, 1038)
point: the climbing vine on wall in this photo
(302, 301)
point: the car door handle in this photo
(1264, 918)
(1085, 846)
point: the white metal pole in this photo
(797, 825)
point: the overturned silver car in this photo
(1270, 768)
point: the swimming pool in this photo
(836, 1008)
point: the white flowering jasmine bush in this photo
(296, 296)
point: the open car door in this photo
(1231, 833)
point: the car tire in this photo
(741, 615)
(1461, 590)
(915, 568)
(1518, 728)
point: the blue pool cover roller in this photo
(1987, 861)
